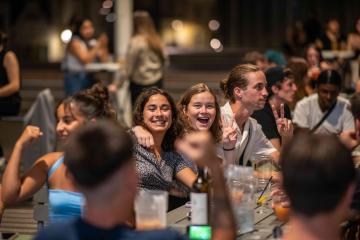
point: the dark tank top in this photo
(4, 80)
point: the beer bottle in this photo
(199, 197)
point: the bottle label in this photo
(199, 208)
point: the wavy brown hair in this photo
(138, 116)
(144, 26)
(183, 104)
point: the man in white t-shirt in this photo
(243, 138)
(325, 112)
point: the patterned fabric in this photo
(157, 174)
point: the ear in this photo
(238, 92)
(184, 109)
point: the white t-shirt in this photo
(258, 144)
(307, 114)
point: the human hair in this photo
(275, 76)
(299, 68)
(144, 26)
(3, 39)
(329, 77)
(355, 105)
(76, 24)
(185, 99)
(317, 171)
(313, 46)
(253, 57)
(237, 78)
(95, 151)
(91, 103)
(138, 116)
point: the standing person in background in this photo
(146, 58)
(9, 80)
(9, 83)
(332, 39)
(82, 49)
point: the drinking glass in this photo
(150, 209)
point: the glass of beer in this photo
(150, 209)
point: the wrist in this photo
(229, 148)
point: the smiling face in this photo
(157, 115)
(201, 110)
(255, 94)
(68, 121)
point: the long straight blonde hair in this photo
(144, 25)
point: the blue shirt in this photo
(77, 229)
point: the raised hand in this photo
(285, 126)
(229, 136)
(198, 146)
(143, 137)
(30, 134)
(350, 139)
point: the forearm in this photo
(222, 219)
(11, 181)
(229, 157)
(9, 89)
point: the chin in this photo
(203, 128)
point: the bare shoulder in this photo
(50, 158)
(10, 58)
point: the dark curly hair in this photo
(173, 132)
(92, 103)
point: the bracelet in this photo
(228, 149)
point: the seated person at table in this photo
(157, 167)
(281, 88)
(324, 112)
(319, 179)
(100, 161)
(245, 87)
(65, 202)
(199, 110)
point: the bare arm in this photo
(83, 54)
(11, 65)
(16, 189)
(187, 177)
(276, 143)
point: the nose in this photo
(59, 127)
(295, 88)
(158, 112)
(203, 109)
(264, 92)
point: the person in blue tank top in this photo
(64, 199)
(100, 160)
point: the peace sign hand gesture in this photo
(284, 125)
(229, 137)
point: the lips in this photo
(158, 122)
(203, 120)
